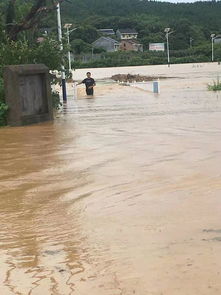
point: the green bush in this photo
(56, 100)
(20, 52)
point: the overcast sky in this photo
(180, 1)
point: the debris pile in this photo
(134, 78)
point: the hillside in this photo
(199, 12)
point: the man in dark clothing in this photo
(89, 83)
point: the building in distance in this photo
(131, 45)
(107, 43)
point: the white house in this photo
(126, 34)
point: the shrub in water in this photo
(216, 86)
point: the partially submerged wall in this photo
(28, 94)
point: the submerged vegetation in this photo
(216, 86)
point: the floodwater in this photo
(120, 195)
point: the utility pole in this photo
(67, 27)
(69, 53)
(191, 42)
(212, 45)
(167, 31)
(64, 92)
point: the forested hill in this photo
(204, 13)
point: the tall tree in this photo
(39, 9)
(10, 15)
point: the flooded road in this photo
(119, 196)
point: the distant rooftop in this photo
(127, 31)
(107, 31)
(108, 39)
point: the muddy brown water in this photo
(119, 196)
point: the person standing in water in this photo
(89, 83)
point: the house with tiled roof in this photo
(107, 43)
